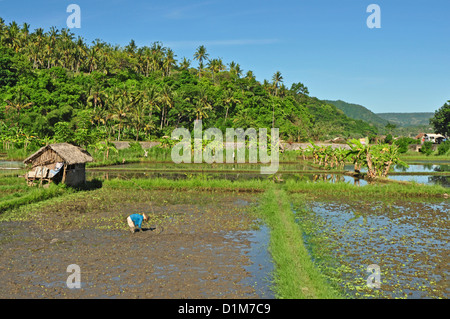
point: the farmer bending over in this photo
(135, 221)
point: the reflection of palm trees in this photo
(444, 181)
(442, 168)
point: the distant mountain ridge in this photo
(359, 112)
(407, 119)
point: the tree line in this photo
(57, 87)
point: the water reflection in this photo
(5, 165)
(409, 241)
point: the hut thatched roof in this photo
(69, 153)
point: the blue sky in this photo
(402, 67)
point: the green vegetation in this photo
(56, 87)
(407, 119)
(359, 112)
(403, 143)
(441, 120)
(14, 193)
(427, 148)
(444, 148)
(296, 275)
(382, 191)
(398, 124)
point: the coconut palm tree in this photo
(38, 40)
(150, 98)
(169, 62)
(200, 55)
(216, 66)
(185, 64)
(276, 80)
(17, 105)
(80, 53)
(250, 75)
(138, 119)
(202, 104)
(97, 96)
(120, 102)
(229, 99)
(167, 99)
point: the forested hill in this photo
(407, 119)
(356, 111)
(56, 87)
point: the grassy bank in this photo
(31, 195)
(193, 184)
(376, 190)
(296, 276)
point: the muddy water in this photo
(293, 171)
(196, 245)
(11, 165)
(408, 241)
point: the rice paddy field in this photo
(226, 232)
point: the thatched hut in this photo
(60, 162)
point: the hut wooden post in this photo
(64, 174)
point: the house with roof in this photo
(61, 162)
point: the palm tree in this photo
(53, 37)
(200, 55)
(150, 98)
(229, 99)
(24, 35)
(250, 75)
(3, 30)
(146, 54)
(38, 40)
(167, 100)
(235, 70)
(138, 117)
(169, 62)
(202, 104)
(120, 102)
(131, 47)
(277, 79)
(66, 46)
(17, 105)
(81, 53)
(13, 36)
(97, 96)
(93, 57)
(185, 64)
(216, 66)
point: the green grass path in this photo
(296, 277)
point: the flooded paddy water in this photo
(196, 245)
(212, 244)
(422, 173)
(409, 241)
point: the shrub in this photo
(427, 148)
(388, 139)
(444, 148)
(403, 143)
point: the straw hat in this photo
(145, 216)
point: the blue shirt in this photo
(137, 219)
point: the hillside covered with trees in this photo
(356, 111)
(56, 87)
